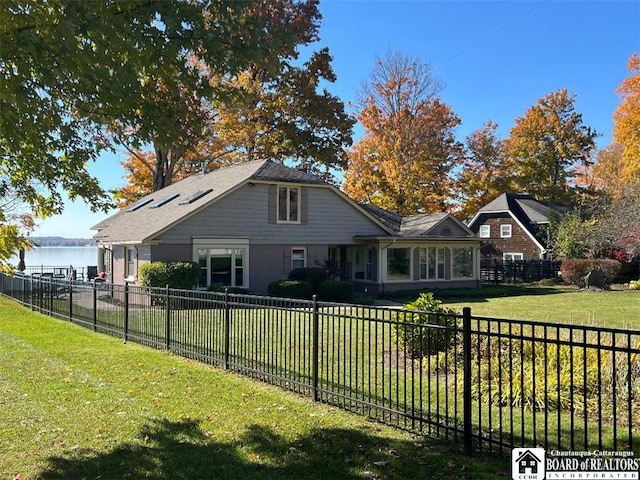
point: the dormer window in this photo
(288, 204)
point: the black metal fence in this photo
(62, 272)
(490, 384)
(498, 271)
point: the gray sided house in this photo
(514, 227)
(250, 224)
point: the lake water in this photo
(79, 257)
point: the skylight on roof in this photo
(195, 196)
(159, 203)
(139, 204)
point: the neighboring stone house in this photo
(250, 224)
(514, 227)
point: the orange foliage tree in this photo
(546, 145)
(484, 174)
(626, 130)
(607, 172)
(404, 160)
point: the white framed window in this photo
(131, 258)
(398, 263)
(462, 262)
(288, 204)
(485, 231)
(512, 256)
(505, 231)
(427, 263)
(298, 257)
(222, 262)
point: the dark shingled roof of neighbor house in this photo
(526, 208)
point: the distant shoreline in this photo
(62, 242)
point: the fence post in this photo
(167, 332)
(40, 293)
(24, 291)
(315, 346)
(52, 293)
(94, 294)
(227, 329)
(466, 345)
(70, 299)
(126, 311)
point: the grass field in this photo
(76, 404)
(607, 308)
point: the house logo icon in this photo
(528, 464)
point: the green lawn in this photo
(76, 404)
(607, 308)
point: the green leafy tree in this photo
(545, 146)
(571, 236)
(79, 78)
(15, 225)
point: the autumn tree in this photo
(484, 175)
(403, 162)
(188, 108)
(546, 144)
(282, 117)
(606, 173)
(139, 168)
(616, 225)
(288, 117)
(626, 129)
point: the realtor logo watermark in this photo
(539, 464)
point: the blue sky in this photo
(496, 59)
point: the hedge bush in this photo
(182, 275)
(314, 275)
(412, 331)
(335, 291)
(574, 270)
(290, 289)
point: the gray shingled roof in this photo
(422, 225)
(145, 223)
(391, 220)
(416, 225)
